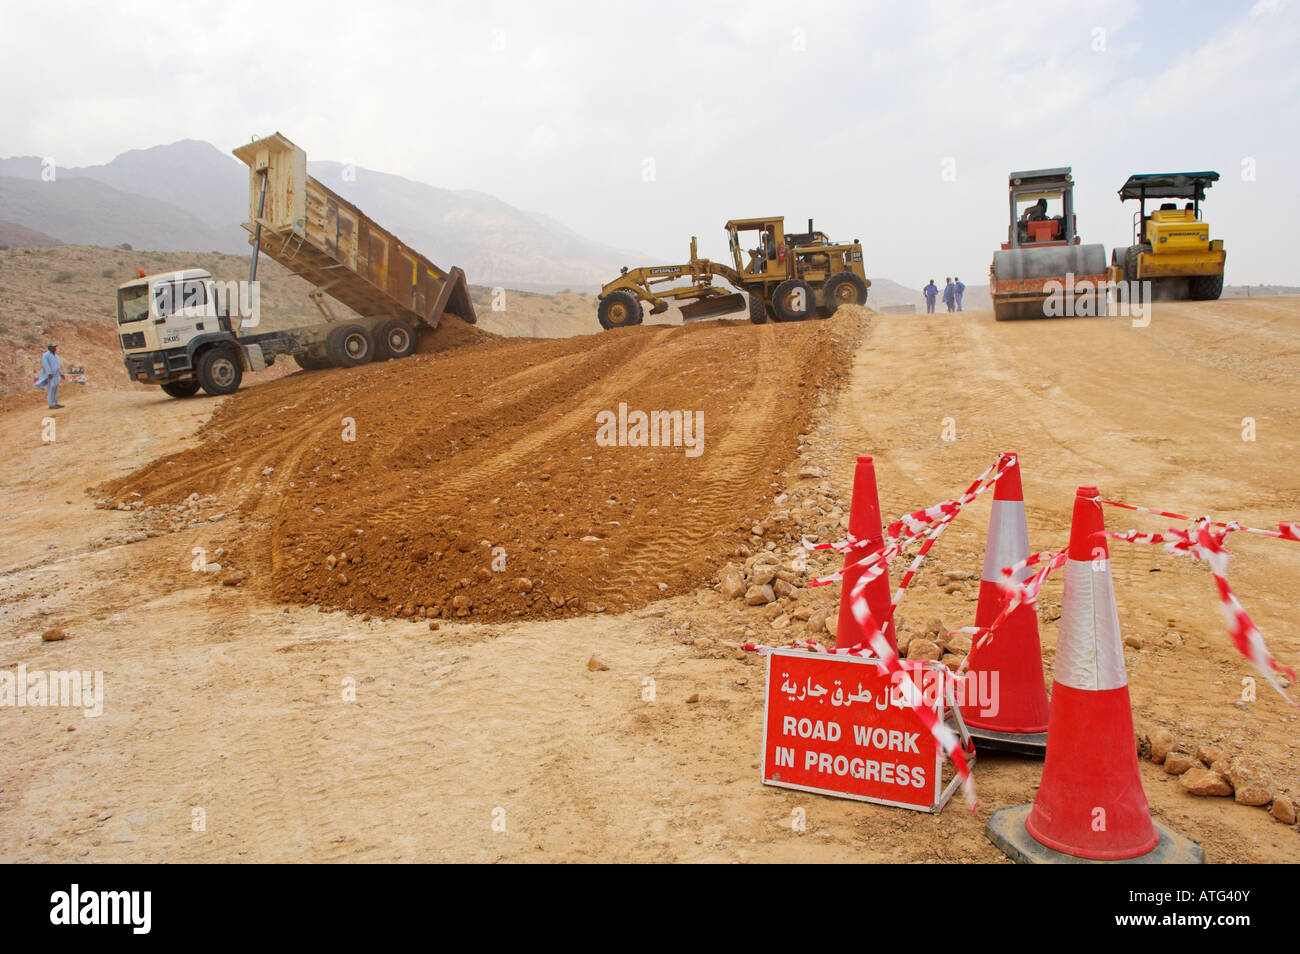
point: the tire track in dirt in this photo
(492, 449)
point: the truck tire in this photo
(845, 288)
(1206, 287)
(309, 363)
(757, 309)
(786, 298)
(181, 389)
(349, 346)
(395, 339)
(220, 371)
(619, 309)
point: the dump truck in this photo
(1171, 247)
(185, 330)
(1043, 256)
(786, 277)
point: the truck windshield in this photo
(132, 303)
(171, 297)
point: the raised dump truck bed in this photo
(313, 231)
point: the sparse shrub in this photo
(126, 247)
(107, 273)
(62, 277)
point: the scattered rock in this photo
(433, 624)
(733, 582)
(1251, 782)
(958, 643)
(762, 574)
(759, 595)
(594, 664)
(1199, 780)
(1176, 763)
(53, 635)
(951, 660)
(1283, 810)
(811, 472)
(1133, 642)
(693, 698)
(524, 584)
(1162, 741)
(1209, 754)
(923, 649)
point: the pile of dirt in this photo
(475, 484)
(451, 333)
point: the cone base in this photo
(1006, 829)
(1022, 743)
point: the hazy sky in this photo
(641, 124)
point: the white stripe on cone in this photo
(1089, 651)
(1008, 542)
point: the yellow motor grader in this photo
(785, 276)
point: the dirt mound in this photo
(451, 333)
(477, 484)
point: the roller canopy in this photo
(1168, 185)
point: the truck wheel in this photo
(789, 296)
(619, 309)
(757, 309)
(395, 339)
(219, 371)
(1206, 287)
(308, 363)
(846, 288)
(349, 346)
(181, 389)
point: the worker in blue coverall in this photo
(930, 291)
(959, 288)
(949, 294)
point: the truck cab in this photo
(168, 323)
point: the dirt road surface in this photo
(237, 725)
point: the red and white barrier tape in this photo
(926, 526)
(1014, 595)
(1205, 543)
(1201, 541)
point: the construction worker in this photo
(931, 292)
(949, 294)
(1036, 212)
(958, 288)
(51, 375)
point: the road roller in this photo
(1042, 269)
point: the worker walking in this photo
(958, 288)
(930, 291)
(51, 375)
(949, 294)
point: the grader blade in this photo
(713, 306)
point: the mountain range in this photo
(191, 196)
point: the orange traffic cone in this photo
(864, 524)
(1090, 804)
(1006, 702)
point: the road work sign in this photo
(840, 725)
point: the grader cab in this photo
(784, 276)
